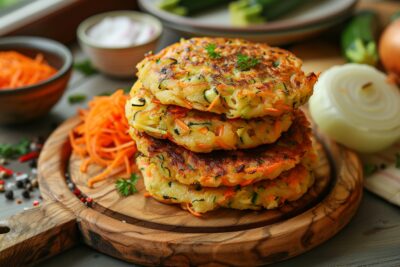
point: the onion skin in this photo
(389, 48)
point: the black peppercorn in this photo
(9, 194)
(26, 194)
(20, 184)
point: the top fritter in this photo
(234, 77)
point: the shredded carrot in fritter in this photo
(18, 70)
(102, 137)
(194, 213)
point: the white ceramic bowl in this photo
(121, 61)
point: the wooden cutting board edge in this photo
(42, 232)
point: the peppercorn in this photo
(89, 201)
(35, 203)
(28, 187)
(33, 163)
(20, 184)
(9, 194)
(77, 192)
(34, 182)
(26, 194)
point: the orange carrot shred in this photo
(18, 70)
(194, 213)
(102, 137)
(184, 128)
(213, 103)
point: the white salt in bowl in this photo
(118, 56)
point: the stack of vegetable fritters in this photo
(217, 124)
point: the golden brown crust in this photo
(185, 74)
(269, 194)
(229, 168)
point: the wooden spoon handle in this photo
(37, 234)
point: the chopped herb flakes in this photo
(85, 67)
(76, 98)
(245, 63)
(210, 48)
(127, 187)
(254, 197)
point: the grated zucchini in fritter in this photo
(200, 131)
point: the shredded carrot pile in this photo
(103, 139)
(17, 70)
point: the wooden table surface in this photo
(371, 239)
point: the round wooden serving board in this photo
(144, 231)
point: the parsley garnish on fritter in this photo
(245, 63)
(210, 48)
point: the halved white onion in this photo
(356, 106)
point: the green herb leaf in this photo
(397, 164)
(210, 48)
(370, 169)
(85, 67)
(76, 98)
(127, 187)
(104, 94)
(254, 197)
(12, 151)
(245, 63)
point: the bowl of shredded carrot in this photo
(34, 73)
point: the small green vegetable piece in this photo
(76, 98)
(12, 151)
(245, 12)
(189, 7)
(210, 48)
(85, 67)
(370, 169)
(245, 63)
(254, 197)
(397, 164)
(359, 38)
(127, 187)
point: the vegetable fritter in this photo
(289, 186)
(200, 131)
(234, 77)
(229, 168)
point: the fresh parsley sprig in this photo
(127, 187)
(245, 63)
(76, 98)
(85, 67)
(14, 150)
(210, 48)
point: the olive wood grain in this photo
(37, 234)
(136, 242)
(136, 208)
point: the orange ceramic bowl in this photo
(30, 102)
